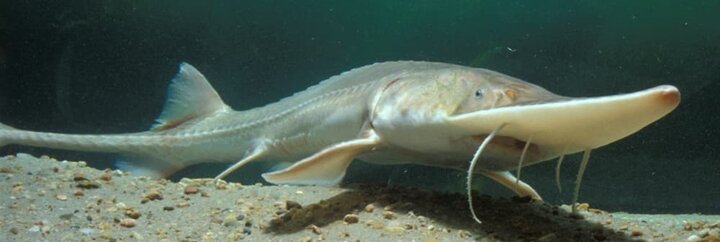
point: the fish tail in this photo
(4, 134)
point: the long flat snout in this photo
(575, 123)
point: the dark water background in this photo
(103, 66)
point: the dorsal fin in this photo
(190, 96)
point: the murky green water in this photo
(99, 67)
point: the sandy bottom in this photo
(44, 199)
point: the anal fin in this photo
(326, 167)
(254, 155)
(142, 166)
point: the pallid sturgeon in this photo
(425, 113)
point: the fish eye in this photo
(479, 93)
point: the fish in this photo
(389, 113)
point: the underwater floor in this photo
(45, 199)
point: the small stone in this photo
(18, 187)
(191, 190)
(183, 205)
(583, 206)
(351, 218)
(153, 195)
(6, 170)
(168, 208)
(315, 229)
(106, 235)
(105, 176)
(79, 176)
(289, 205)
(463, 234)
(369, 208)
(388, 215)
(127, 222)
(636, 233)
(66, 216)
(13, 230)
(230, 219)
(132, 213)
(121, 205)
(693, 238)
(34, 229)
(221, 185)
(86, 184)
(394, 229)
(61, 197)
(79, 193)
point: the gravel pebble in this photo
(351, 218)
(388, 215)
(153, 195)
(127, 222)
(369, 208)
(191, 190)
(106, 176)
(132, 213)
(87, 184)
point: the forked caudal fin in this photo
(190, 99)
(3, 137)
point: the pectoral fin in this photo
(326, 167)
(509, 181)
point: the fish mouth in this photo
(572, 123)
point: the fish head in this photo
(449, 113)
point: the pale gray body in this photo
(424, 113)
